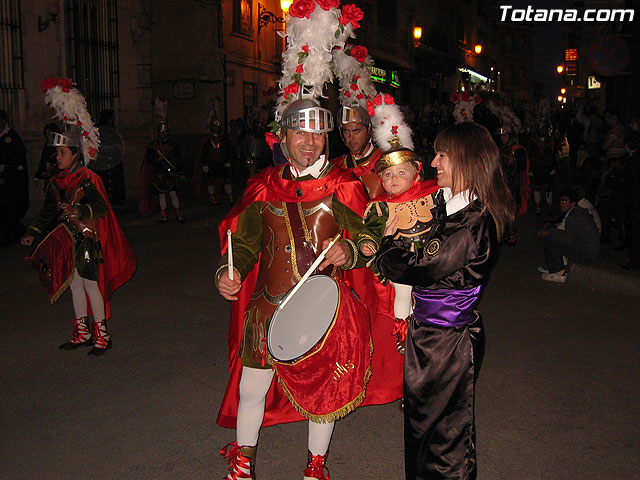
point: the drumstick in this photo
(308, 273)
(229, 255)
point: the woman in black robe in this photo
(445, 342)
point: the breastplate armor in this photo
(291, 241)
(414, 218)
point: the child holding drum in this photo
(409, 199)
(445, 340)
(86, 248)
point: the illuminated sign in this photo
(571, 59)
(388, 77)
(474, 75)
(592, 82)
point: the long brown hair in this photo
(475, 164)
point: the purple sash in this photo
(447, 308)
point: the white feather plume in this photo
(389, 122)
(70, 107)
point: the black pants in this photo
(440, 369)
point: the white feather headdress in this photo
(70, 107)
(314, 28)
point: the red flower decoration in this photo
(394, 129)
(360, 96)
(300, 68)
(359, 53)
(302, 8)
(305, 48)
(388, 100)
(455, 98)
(92, 152)
(291, 89)
(371, 108)
(354, 87)
(270, 138)
(377, 100)
(465, 97)
(65, 84)
(351, 15)
(347, 94)
(327, 4)
(48, 83)
(477, 99)
(85, 133)
(79, 123)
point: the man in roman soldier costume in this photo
(288, 214)
(86, 249)
(355, 129)
(164, 158)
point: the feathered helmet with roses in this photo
(71, 108)
(315, 28)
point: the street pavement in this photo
(557, 396)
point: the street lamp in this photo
(560, 69)
(478, 49)
(417, 35)
(265, 17)
(563, 91)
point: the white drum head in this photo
(304, 320)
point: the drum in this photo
(321, 345)
(54, 260)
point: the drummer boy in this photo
(102, 256)
(407, 200)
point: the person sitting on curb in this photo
(576, 238)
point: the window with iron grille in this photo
(11, 65)
(92, 51)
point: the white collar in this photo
(314, 170)
(457, 202)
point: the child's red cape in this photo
(269, 186)
(119, 260)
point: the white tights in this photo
(81, 288)
(402, 303)
(254, 385)
(162, 200)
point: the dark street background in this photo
(557, 396)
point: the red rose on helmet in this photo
(347, 94)
(65, 84)
(48, 83)
(465, 97)
(354, 87)
(360, 96)
(351, 15)
(291, 89)
(455, 98)
(359, 53)
(377, 100)
(327, 4)
(394, 130)
(371, 108)
(305, 48)
(388, 100)
(300, 68)
(92, 152)
(302, 8)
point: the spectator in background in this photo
(632, 199)
(575, 238)
(108, 163)
(14, 183)
(48, 155)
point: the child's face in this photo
(397, 179)
(65, 158)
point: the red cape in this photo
(269, 186)
(119, 260)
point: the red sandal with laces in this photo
(316, 467)
(241, 461)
